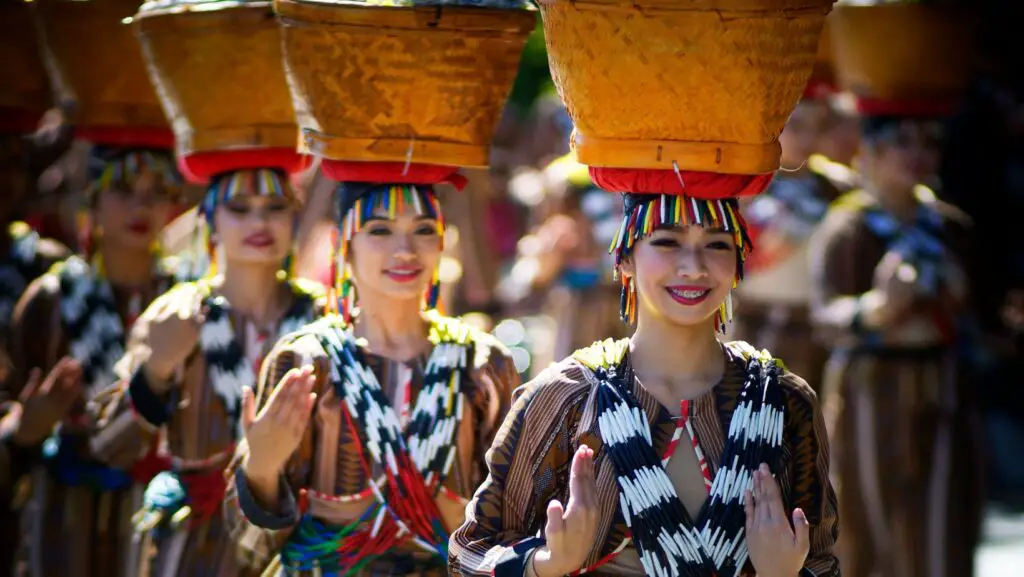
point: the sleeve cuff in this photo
(151, 407)
(805, 572)
(259, 516)
(513, 562)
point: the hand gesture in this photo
(174, 331)
(776, 549)
(46, 401)
(276, 432)
(896, 279)
(571, 530)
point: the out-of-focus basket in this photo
(219, 72)
(703, 85)
(902, 51)
(101, 62)
(24, 85)
(419, 84)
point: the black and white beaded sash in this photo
(227, 368)
(14, 271)
(429, 438)
(668, 542)
(92, 325)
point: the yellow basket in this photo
(401, 84)
(902, 51)
(100, 61)
(24, 84)
(703, 85)
(220, 75)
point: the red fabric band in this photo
(702, 185)
(393, 172)
(819, 90)
(134, 137)
(925, 108)
(199, 167)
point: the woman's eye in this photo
(664, 243)
(277, 207)
(720, 245)
(238, 208)
(426, 230)
(378, 231)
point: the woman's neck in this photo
(683, 362)
(392, 328)
(127, 267)
(898, 201)
(253, 291)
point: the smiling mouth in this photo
(259, 240)
(688, 295)
(404, 274)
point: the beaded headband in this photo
(357, 203)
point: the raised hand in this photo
(776, 548)
(275, 433)
(571, 530)
(46, 401)
(173, 332)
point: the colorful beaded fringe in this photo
(389, 199)
(644, 216)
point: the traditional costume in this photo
(74, 310)
(24, 254)
(394, 449)
(238, 147)
(674, 172)
(901, 419)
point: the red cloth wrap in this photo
(200, 167)
(920, 108)
(150, 466)
(819, 89)
(205, 492)
(18, 120)
(392, 172)
(701, 185)
(134, 137)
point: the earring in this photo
(627, 300)
(724, 315)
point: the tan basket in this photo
(220, 76)
(902, 51)
(101, 63)
(24, 84)
(395, 84)
(705, 84)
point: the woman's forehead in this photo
(691, 228)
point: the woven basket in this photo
(100, 61)
(702, 85)
(24, 84)
(902, 51)
(401, 84)
(220, 76)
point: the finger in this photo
(278, 395)
(773, 495)
(32, 385)
(298, 397)
(556, 519)
(248, 408)
(761, 508)
(577, 472)
(748, 508)
(802, 530)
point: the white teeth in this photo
(689, 294)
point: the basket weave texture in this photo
(23, 80)
(101, 62)
(702, 85)
(902, 51)
(401, 84)
(220, 75)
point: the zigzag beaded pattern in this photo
(668, 541)
(14, 273)
(92, 325)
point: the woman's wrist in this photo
(542, 565)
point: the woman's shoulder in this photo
(793, 386)
(572, 380)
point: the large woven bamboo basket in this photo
(401, 84)
(101, 63)
(699, 85)
(23, 80)
(902, 51)
(220, 75)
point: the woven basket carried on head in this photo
(420, 84)
(101, 63)
(220, 75)
(702, 85)
(24, 85)
(902, 51)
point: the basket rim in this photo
(461, 19)
(182, 18)
(661, 7)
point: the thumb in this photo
(556, 521)
(248, 408)
(802, 530)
